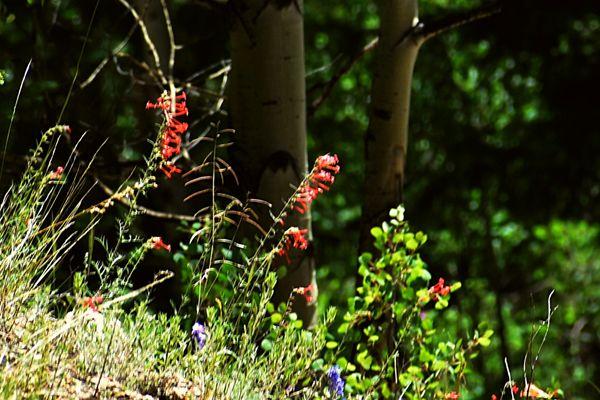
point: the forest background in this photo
(502, 167)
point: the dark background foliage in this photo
(502, 168)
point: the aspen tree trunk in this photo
(268, 110)
(387, 135)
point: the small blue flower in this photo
(199, 334)
(336, 383)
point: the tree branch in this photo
(143, 210)
(419, 33)
(452, 21)
(328, 87)
(121, 199)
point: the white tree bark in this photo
(268, 110)
(387, 135)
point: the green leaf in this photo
(318, 364)
(438, 365)
(266, 345)
(276, 318)
(364, 258)
(297, 324)
(364, 359)
(343, 328)
(377, 232)
(363, 270)
(441, 303)
(342, 362)
(412, 244)
(373, 338)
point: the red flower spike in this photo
(494, 397)
(319, 181)
(328, 162)
(452, 396)
(294, 238)
(171, 141)
(157, 244)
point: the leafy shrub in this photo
(389, 343)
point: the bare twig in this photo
(145, 210)
(140, 64)
(147, 39)
(159, 278)
(452, 21)
(510, 381)
(172, 46)
(105, 61)
(419, 33)
(550, 311)
(338, 75)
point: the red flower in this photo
(494, 397)
(294, 238)
(169, 169)
(328, 162)
(157, 244)
(515, 389)
(56, 174)
(439, 289)
(304, 291)
(92, 302)
(319, 180)
(452, 396)
(171, 140)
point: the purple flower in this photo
(199, 334)
(336, 383)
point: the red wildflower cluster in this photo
(530, 391)
(439, 289)
(452, 396)
(56, 174)
(293, 238)
(306, 292)
(92, 302)
(171, 140)
(320, 180)
(157, 244)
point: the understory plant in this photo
(389, 344)
(95, 335)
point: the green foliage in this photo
(250, 351)
(393, 345)
(502, 159)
